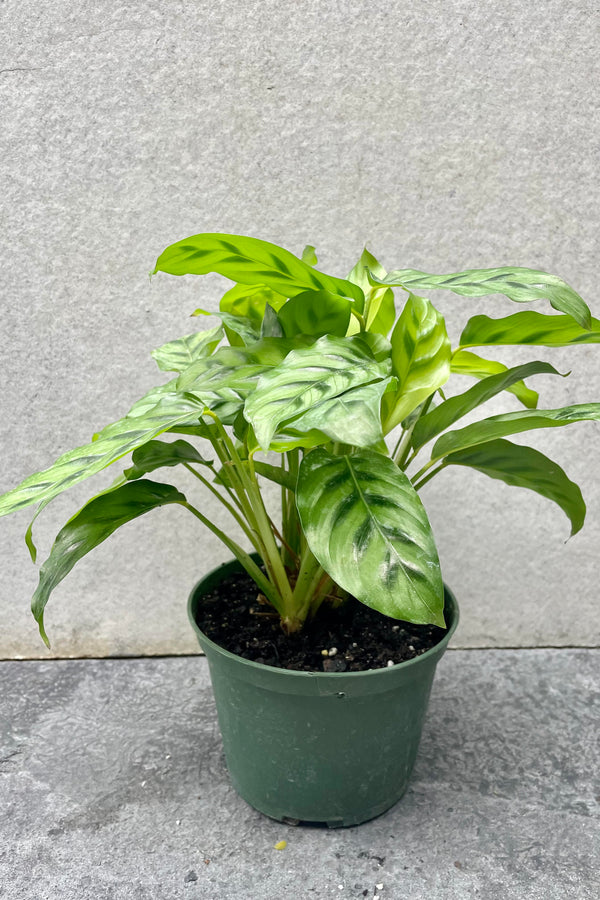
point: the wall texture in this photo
(445, 134)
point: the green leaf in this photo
(271, 326)
(156, 454)
(519, 284)
(512, 423)
(90, 526)
(249, 261)
(420, 359)
(466, 363)
(528, 327)
(240, 330)
(177, 355)
(309, 256)
(232, 373)
(379, 302)
(367, 527)
(448, 412)
(382, 312)
(353, 417)
(528, 468)
(111, 444)
(317, 313)
(308, 378)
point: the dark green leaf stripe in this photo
(512, 423)
(420, 358)
(448, 412)
(367, 527)
(527, 468)
(177, 355)
(308, 378)
(112, 443)
(249, 261)
(466, 363)
(519, 284)
(528, 327)
(96, 521)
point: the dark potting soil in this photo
(349, 638)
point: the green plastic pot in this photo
(328, 748)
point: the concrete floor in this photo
(112, 785)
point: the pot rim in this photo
(233, 565)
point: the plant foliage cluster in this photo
(322, 370)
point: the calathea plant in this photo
(345, 380)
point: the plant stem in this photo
(247, 531)
(240, 554)
(419, 484)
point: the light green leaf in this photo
(232, 373)
(528, 327)
(379, 302)
(249, 261)
(353, 417)
(316, 313)
(519, 284)
(177, 355)
(111, 444)
(291, 439)
(250, 300)
(420, 359)
(527, 468)
(156, 454)
(367, 527)
(307, 378)
(512, 423)
(448, 412)
(382, 312)
(90, 526)
(240, 330)
(309, 256)
(466, 363)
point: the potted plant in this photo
(344, 386)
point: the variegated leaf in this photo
(420, 359)
(528, 468)
(306, 379)
(240, 330)
(177, 355)
(111, 444)
(453, 409)
(512, 423)
(367, 527)
(519, 284)
(529, 327)
(353, 417)
(249, 261)
(224, 380)
(96, 521)
(158, 454)
(466, 363)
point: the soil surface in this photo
(349, 638)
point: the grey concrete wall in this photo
(446, 134)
